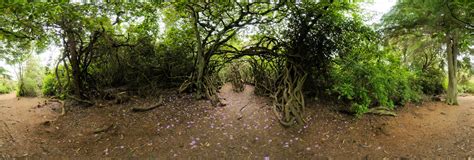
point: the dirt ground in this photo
(243, 129)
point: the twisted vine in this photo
(288, 99)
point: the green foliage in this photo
(6, 86)
(464, 72)
(49, 88)
(31, 78)
(447, 23)
(466, 88)
(164, 63)
(52, 87)
(377, 79)
(431, 81)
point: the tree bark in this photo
(452, 49)
(200, 58)
(76, 71)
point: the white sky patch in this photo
(50, 56)
(376, 9)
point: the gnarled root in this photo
(89, 103)
(383, 111)
(236, 78)
(288, 103)
(144, 109)
(207, 89)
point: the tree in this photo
(214, 24)
(77, 27)
(450, 19)
(311, 36)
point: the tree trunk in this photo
(74, 60)
(451, 47)
(198, 76)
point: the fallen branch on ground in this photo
(144, 109)
(383, 111)
(81, 100)
(103, 129)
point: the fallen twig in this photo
(103, 129)
(141, 109)
(241, 109)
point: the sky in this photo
(373, 11)
(377, 9)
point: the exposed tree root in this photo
(383, 111)
(236, 77)
(208, 89)
(144, 109)
(288, 103)
(90, 103)
(185, 86)
(121, 97)
(63, 110)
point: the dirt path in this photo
(19, 118)
(434, 129)
(243, 129)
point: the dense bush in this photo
(431, 81)
(6, 86)
(467, 86)
(145, 63)
(49, 87)
(377, 80)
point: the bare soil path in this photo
(19, 118)
(245, 128)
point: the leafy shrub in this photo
(431, 81)
(160, 64)
(470, 88)
(27, 87)
(467, 87)
(365, 80)
(5, 86)
(51, 86)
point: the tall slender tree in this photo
(452, 19)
